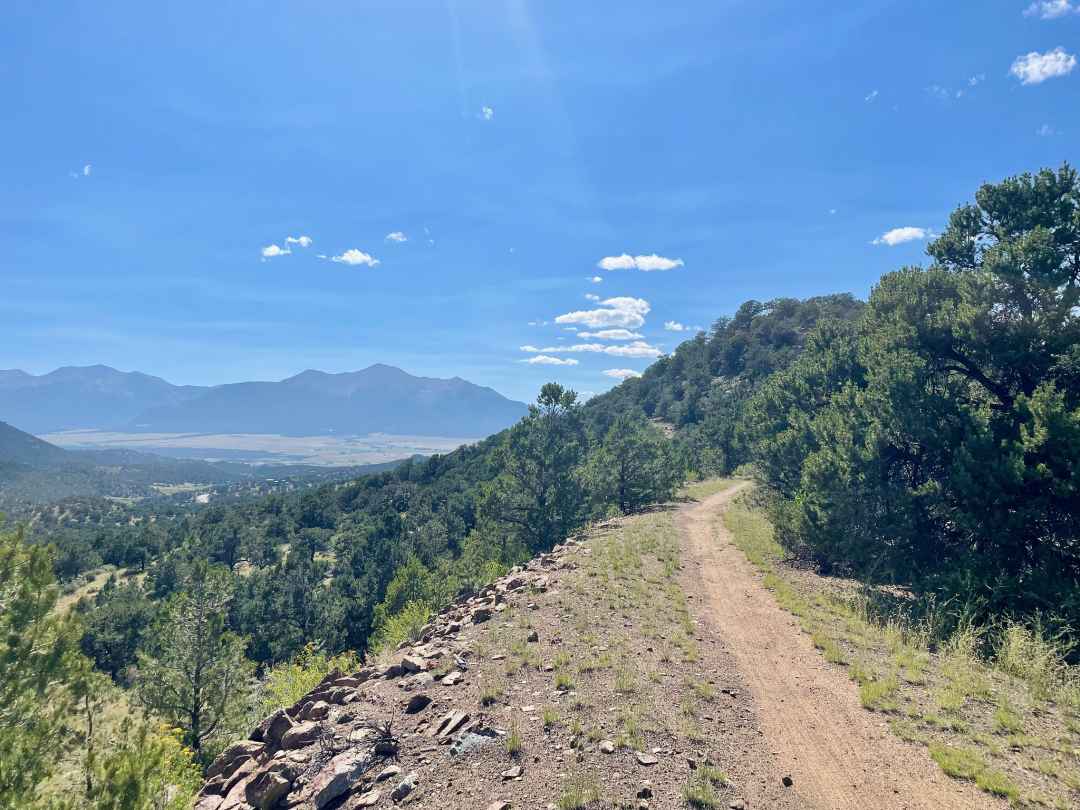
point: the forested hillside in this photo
(928, 438)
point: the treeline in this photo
(935, 440)
(928, 438)
(703, 387)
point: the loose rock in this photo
(300, 735)
(404, 787)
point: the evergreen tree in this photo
(633, 466)
(537, 496)
(194, 671)
(38, 661)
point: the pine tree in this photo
(38, 659)
(194, 671)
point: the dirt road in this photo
(838, 754)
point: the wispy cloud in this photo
(1046, 131)
(638, 348)
(898, 236)
(1051, 9)
(976, 80)
(611, 334)
(272, 251)
(597, 279)
(86, 169)
(355, 257)
(625, 312)
(487, 113)
(675, 326)
(399, 236)
(871, 96)
(1036, 68)
(548, 360)
(621, 373)
(591, 297)
(302, 241)
(647, 264)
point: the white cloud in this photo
(897, 236)
(675, 326)
(611, 334)
(398, 236)
(621, 311)
(977, 79)
(596, 280)
(270, 251)
(302, 241)
(1035, 67)
(646, 264)
(1046, 131)
(547, 360)
(1051, 9)
(487, 113)
(591, 297)
(621, 373)
(354, 257)
(86, 170)
(638, 348)
(873, 94)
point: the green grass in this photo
(513, 741)
(829, 647)
(880, 694)
(960, 763)
(490, 695)
(998, 784)
(578, 795)
(703, 690)
(1006, 720)
(700, 789)
(550, 717)
(625, 684)
(963, 763)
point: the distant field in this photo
(330, 451)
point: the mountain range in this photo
(377, 399)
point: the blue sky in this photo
(152, 151)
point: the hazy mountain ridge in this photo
(377, 399)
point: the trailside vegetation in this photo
(935, 441)
(50, 706)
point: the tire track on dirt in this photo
(839, 755)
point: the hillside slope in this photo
(18, 447)
(597, 675)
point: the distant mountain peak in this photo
(380, 398)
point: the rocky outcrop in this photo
(336, 747)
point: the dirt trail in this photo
(839, 755)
